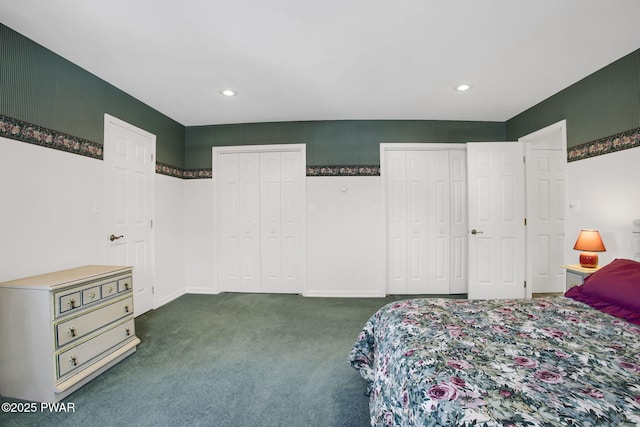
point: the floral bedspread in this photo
(541, 362)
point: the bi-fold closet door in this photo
(426, 217)
(259, 201)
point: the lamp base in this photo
(589, 259)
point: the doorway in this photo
(546, 178)
(259, 218)
(129, 204)
(424, 195)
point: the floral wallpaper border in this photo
(608, 144)
(205, 173)
(343, 170)
(38, 135)
(26, 132)
(176, 172)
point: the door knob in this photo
(114, 237)
(474, 232)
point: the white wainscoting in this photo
(345, 237)
(50, 210)
(169, 224)
(345, 241)
(607, 190)
(51, 216)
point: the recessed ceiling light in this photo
(462, 88)
(228, 92)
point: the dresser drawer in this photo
(82, 354)
(124, 285)
(69, 301)
(76, 328)
(109, 289)
(91, 295)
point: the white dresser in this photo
(60, 330)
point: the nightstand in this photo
(576, 274)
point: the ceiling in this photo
(294, 60)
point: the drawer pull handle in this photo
(127, 332)
(126, 308)
(73, 361)
(72, 303)
(126, 286)
(72, 331)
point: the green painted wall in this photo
(343, 142)
(602, 104)
(40, 87)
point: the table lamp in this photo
(589, 242)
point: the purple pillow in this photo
(632, 316)
(615, 284)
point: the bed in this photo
(570, 360)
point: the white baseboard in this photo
(345, 294)
(209, 291)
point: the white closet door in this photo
(260, 218)
(396, 207)
(281, 225)
(292, 217)
(417, 222)
(239, 222)
(458, 218)
(437, 235)
(418, 212)
(270, 222)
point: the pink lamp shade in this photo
(589, 242)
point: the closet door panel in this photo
(292, 208)
(438, 234)
(250, 217)
(270, 220)
(426, 220)
(230, 231)
(239, 222)
(458, 197)
(418, 221)
(396, 212)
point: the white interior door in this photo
(417, 223)
(438, 237)
(395, 182)
(281, 185)
(129, 164)
(418, 220)
(259, 223)
(293, 204)
(407, 222)
(271, 221)
(545, 175)
(239, 222)
(458, 221)
(496, 220)
(545, 218)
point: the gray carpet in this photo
(231, 360)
